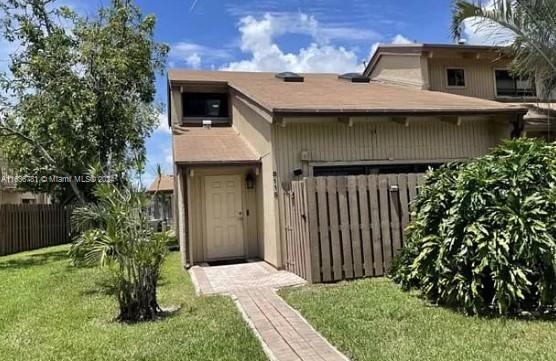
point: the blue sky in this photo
(277, 35)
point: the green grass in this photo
(373, 319)
(52, 311)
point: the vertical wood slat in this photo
(385, 221)
(282, 209)
(395, 213)
(27, 227)
(337, 267)
(306, 240)
(324, 229)
(402, 183)
(298, 235)
(362, 186)
(313, 230)
(293, 228)
(345, 227)
(412, 186)
(355, 226)
(376, 233)
(2, 232)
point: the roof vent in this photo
(289, 76)
(354, 77)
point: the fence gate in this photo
(338, 228)
(295, 230)
(27, 227)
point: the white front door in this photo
(224, 217)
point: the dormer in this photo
(195, 104)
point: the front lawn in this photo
(373, 319)
(52, 311)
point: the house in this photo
(10, 194)
(470, 70)
(239, 138)
(162, 191)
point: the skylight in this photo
(354, 77)
(289, 76)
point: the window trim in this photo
(448, 86)
(510, 96)
(199, 120)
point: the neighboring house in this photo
(476, 71)
(9, 194)
(238, 138)
(160, 209)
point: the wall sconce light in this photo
(249, 181)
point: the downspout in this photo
(518, 124)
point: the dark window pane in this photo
(339, 170)
(344, 170)
(507, 85)
(456, 77)
(211, 105)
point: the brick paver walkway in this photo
(228, 279)
(283, 332)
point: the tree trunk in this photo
(137, 299)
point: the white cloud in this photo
(195, 54)
(258, 38)
(400, 39)
(163, 124)
(397, 39)
(194, 61)
(479, 31)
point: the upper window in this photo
(509, 86)
(208, 105)
(456, 77)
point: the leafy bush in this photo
(483, 233)
(115, 233)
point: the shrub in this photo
(115, 233)
(483, 233)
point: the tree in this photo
(80, 91)
(533, 24)
(115, 233)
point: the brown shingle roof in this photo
(325, 93)
(195, 145)
(163, 184)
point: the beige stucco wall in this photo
(380, 139)
(406, 69)
(479, 76)
(11, 195)
(254, 126)
(176, 110)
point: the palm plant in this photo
(115, 233)
(533, 24)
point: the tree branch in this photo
(8, 131)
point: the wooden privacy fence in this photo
(27, 227)
(336, 228)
